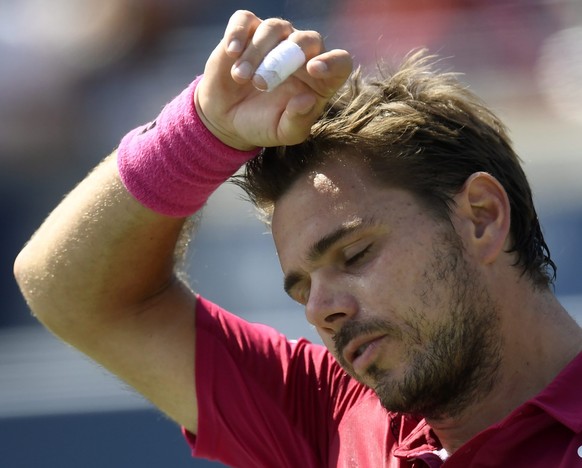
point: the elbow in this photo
(22, 271)
(44, 294)
(34, 280)
(26, 276)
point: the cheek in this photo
(397, 282)
(392, 275)
(327, 342)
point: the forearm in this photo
(100, 270)
(109, 247)
(99, 252)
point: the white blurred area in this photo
(75, 75)
(47, 51)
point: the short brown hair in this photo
(416, 129)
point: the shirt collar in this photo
(561, 399)
(420, 440)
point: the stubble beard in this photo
(451, 364)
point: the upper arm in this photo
(99, 273)
(152, 349)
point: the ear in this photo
(483, 210)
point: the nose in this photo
(330, 304)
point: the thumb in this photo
(296, 121)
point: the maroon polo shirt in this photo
(544, 432)
(266, 401)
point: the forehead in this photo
(340, 195)
(330, 189)
(322, 183)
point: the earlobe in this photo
(484, 205)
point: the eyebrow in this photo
(319, 249)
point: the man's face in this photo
(389, 290)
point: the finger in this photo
(310, 42)
(329, 71)
(286, 58)
(239, 30)
(278, 65)
(268, 34)
(295, 123)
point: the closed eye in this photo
(354, 259)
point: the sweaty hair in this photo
(415, 129)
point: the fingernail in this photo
(243, 70)
(234, 46)
(319, 66)
(260, 83)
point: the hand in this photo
(243, 117)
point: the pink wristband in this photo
(175, 163)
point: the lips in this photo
(358, 346)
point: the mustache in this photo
(355, 328)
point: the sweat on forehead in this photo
(327, 179)
(323, 184)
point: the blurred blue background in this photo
(75, 75)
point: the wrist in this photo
(220, 135)
(174, 164)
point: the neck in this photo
(537, 346)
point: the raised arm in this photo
(99, 272)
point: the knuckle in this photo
(278, 25)
(311, 40)
(243, 14)
(240, 22)
(314, 36)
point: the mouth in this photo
(358, 347)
